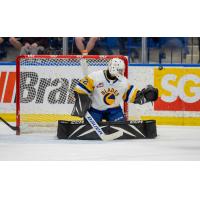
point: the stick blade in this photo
(112, 136)
(14, 128)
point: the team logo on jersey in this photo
(109, 99)
(109, 95)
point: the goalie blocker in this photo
(84, 131)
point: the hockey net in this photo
(44, 89)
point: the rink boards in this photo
(178, 103)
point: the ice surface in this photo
(173, 143)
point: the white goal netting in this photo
(45, 87)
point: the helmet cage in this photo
(116, 67)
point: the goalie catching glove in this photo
(146, 95)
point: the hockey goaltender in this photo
(98, 96)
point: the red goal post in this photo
(44, 86)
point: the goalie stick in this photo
(99, 131)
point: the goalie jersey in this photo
(106, 93)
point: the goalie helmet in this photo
(116, 67)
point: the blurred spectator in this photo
(2, 48)
(85, 45)
(153, 42)
(101, 47)
(34, 45)
(113, 45)
(107, 46)
(134, 46)
(6, 41)
(15, 42)
(96, 46)
(54, 46)
(173, 43)
(1, 40)
(123, 47)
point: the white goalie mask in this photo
(116, 67)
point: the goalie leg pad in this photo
(83, 131)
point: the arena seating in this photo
(159, 49)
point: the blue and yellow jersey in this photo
(106, 93)
(85, 86)
(130, 94)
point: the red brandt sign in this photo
(179, 89)
(35, 89)
(7, 86)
